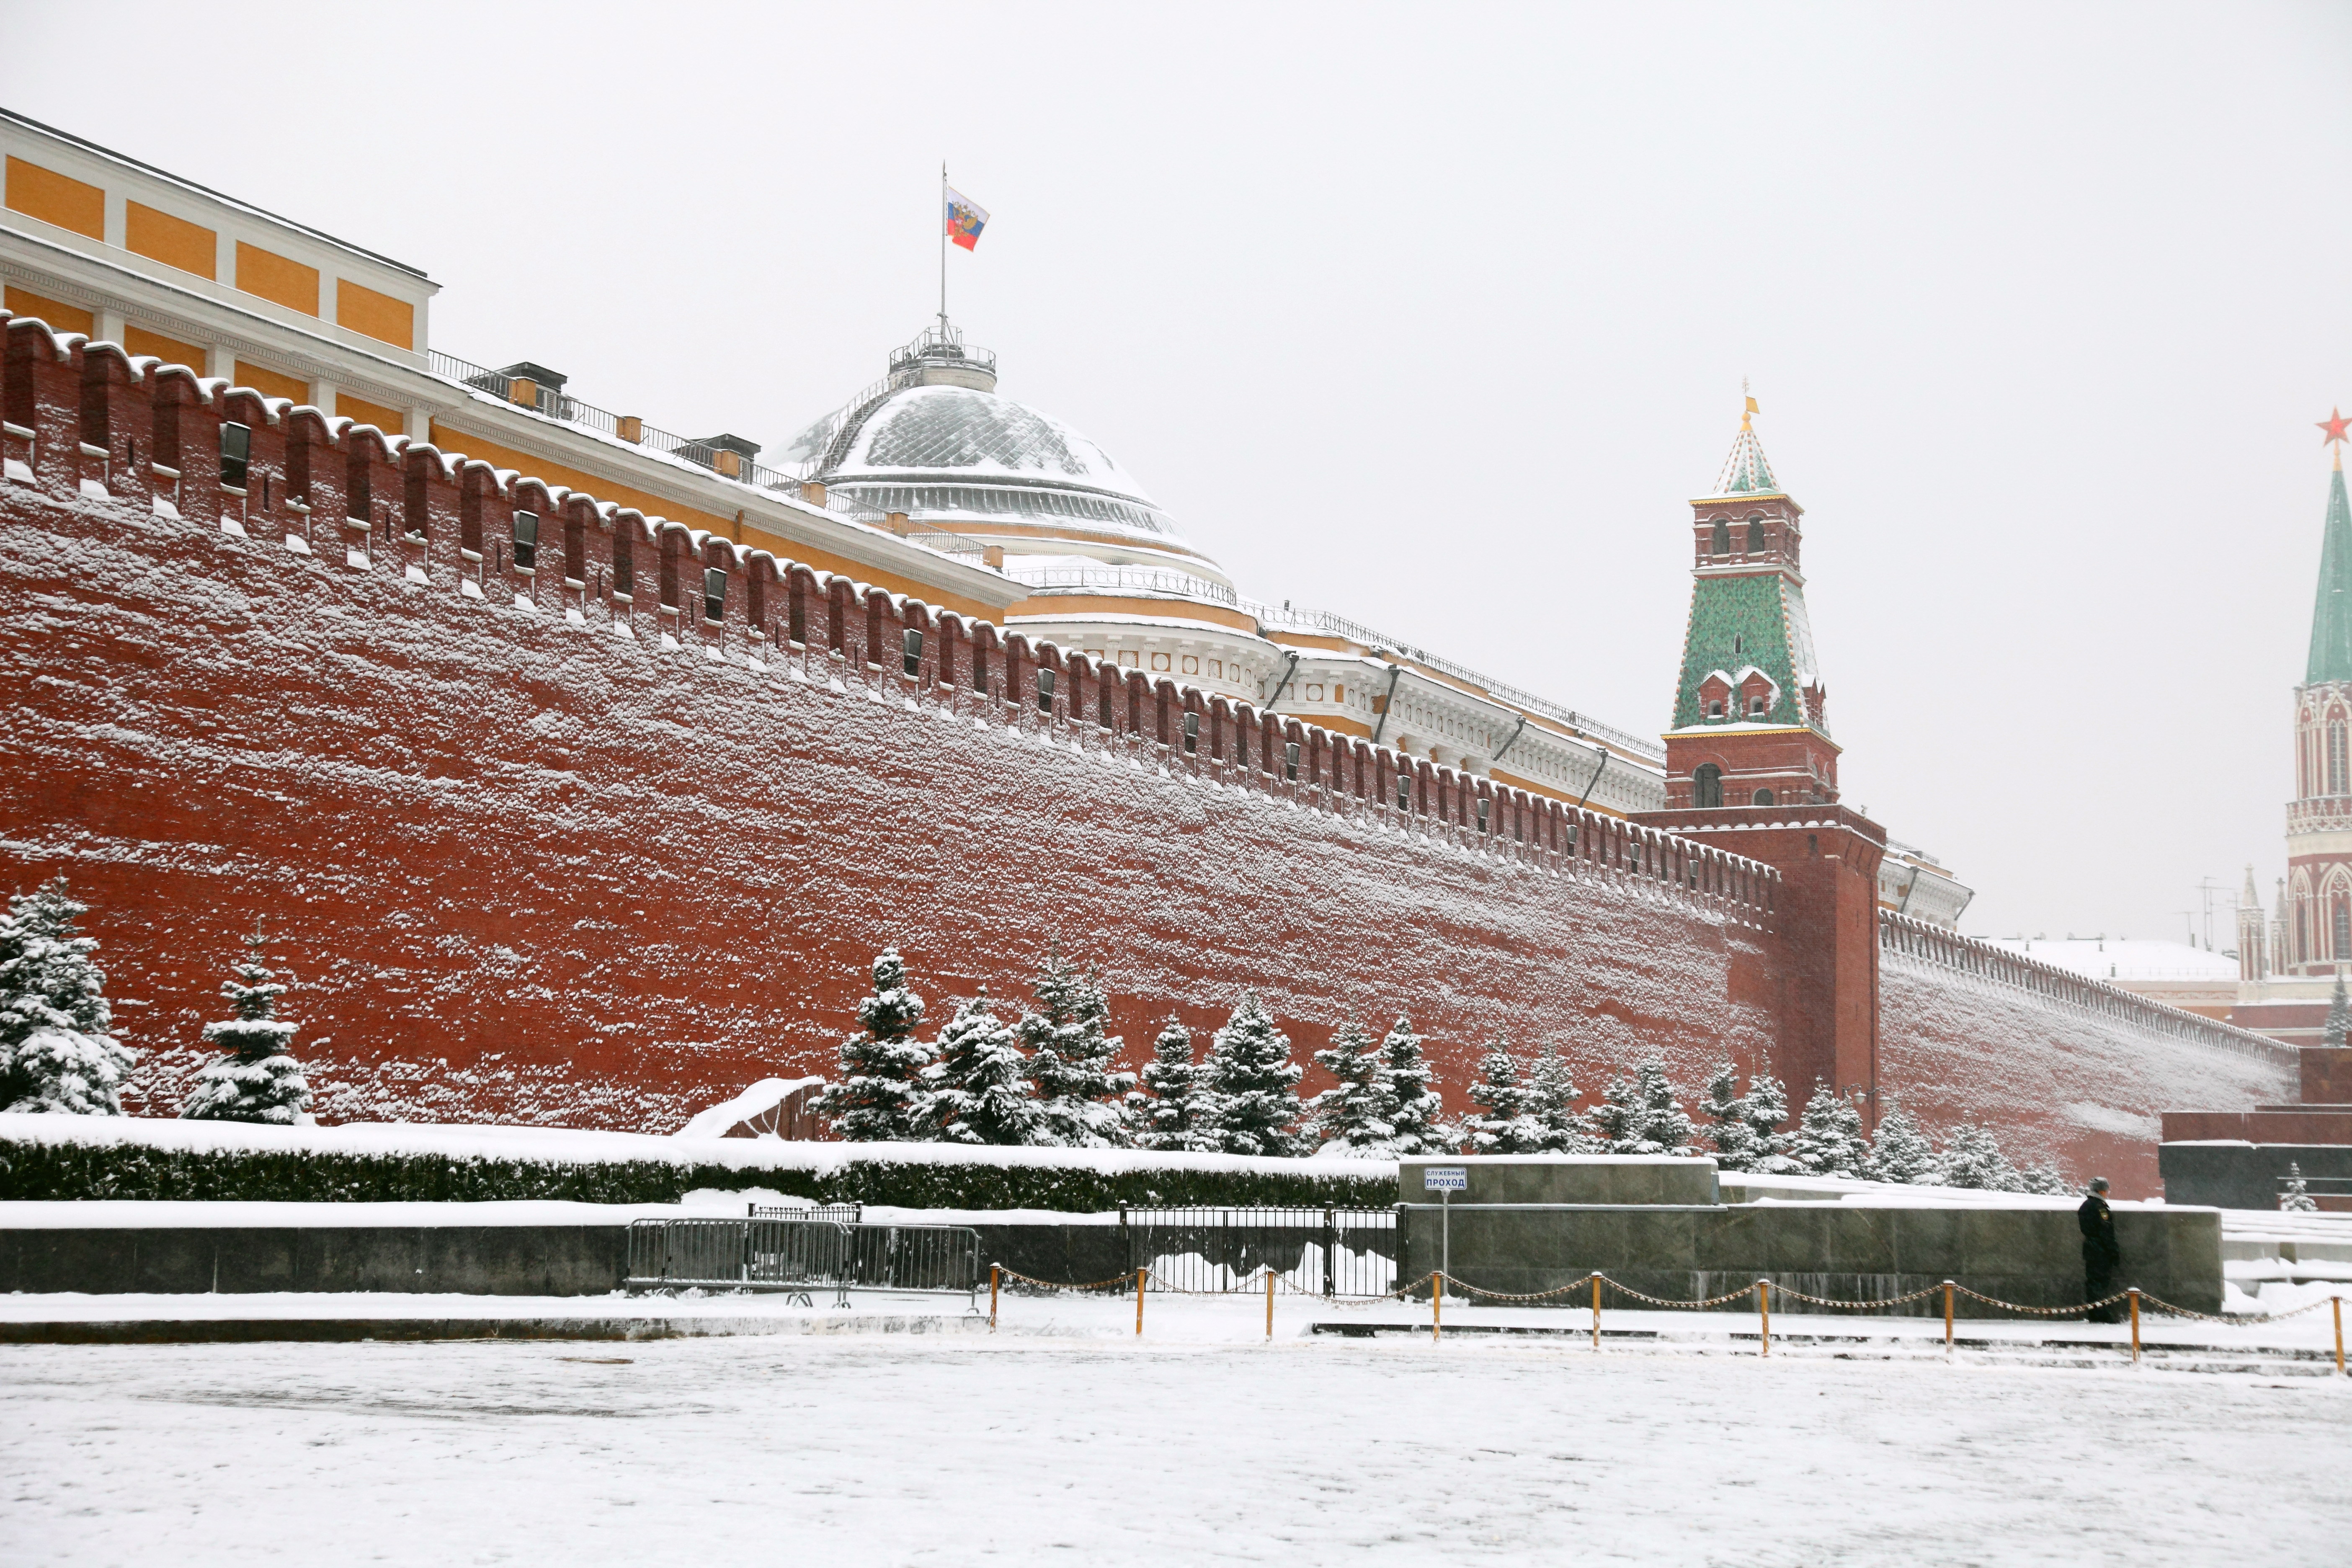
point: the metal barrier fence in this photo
(799, 1256)
(1328, 1251)
(792, 1256)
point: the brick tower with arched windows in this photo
(1750, 768)
(2288, 959)
(2318, 913)
(1751, 725)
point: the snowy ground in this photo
(1200, 1442)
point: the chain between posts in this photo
(1274, 1282)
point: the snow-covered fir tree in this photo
(2296, 1197)
(1501, 1124)
(1416, 1116)
(1352, 1118)
(2339, 1017)
(1168, 1115)
(1902, 1152)
(1551, 1105)
(259, 1080)
(1973, 1158)
(1746, 1128)
(980, 1087)
(881, 1096)
(56, 1052)
(2046, 1179)
(1829, 1140)
(1081, 1099)
(1641, 1115)
(1255, 1082)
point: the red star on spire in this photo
(2335, 425)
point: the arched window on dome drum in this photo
(1763, 797)
(2336, 770)
(1755, 536)
(1706, 786)
(1722, 537)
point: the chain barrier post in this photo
(1436, 1304)
(1596, 1311)
(2340, 1335)
(2135, 1318)
(1138, 1302)
(1764, 1310)
(1948, 1319)
(1269, 1302)
(995, 1272)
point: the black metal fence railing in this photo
(1327, 1251)
(800, 1255)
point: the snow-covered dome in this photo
(936, 442)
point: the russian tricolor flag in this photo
(966, 218)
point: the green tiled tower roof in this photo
(1736, 622)
(2331, 618)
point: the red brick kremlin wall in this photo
(536, 855)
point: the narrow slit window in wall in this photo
(236, 452)
(714, 594)
(526, 539)
(1044, 691)
(1290, 761)
(1191, 733)
(1482, 814)
(914, 651)
(623, 564)
(1405, 793)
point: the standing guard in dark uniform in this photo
(2101, 1256)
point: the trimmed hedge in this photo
(79, 1171)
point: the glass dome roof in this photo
(945, 452)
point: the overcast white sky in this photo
(1437, 317)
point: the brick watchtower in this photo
(2317, 916)
(1751, 767)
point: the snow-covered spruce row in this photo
(1049, 1079)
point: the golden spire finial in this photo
(1751, 410)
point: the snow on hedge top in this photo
(568, 1146)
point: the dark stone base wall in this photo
(475, 1260)
(2032, 1257)
(2244, 1176)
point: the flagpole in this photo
(943, 248)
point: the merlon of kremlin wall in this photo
(538, 854)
